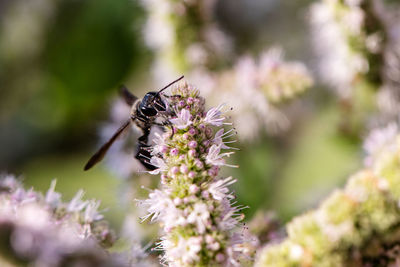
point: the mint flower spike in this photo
(194, 206)
(43, 230)
(355, 226)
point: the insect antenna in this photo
(171, 83)
(165, 87)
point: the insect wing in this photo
(129, 98)
(99, 155)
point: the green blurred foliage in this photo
(319, 160)
(52, 98)
(86, 57)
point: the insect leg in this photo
(145, 137)
(144, 156)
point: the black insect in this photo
(144, 113)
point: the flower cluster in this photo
(194, 206)
(184, 36)
(281, 80)
(44, 245)
(350, 38)
(357, 42)
(355, 226)
(257, 91)
(29, 207)
(43, 231)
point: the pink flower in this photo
(183, 119)
(215, 158)
(220, 135)
(219, 189)
(213, 116)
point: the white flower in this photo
(159, 163)
(379, 140)
(76, 204)
(199, 216)
(296, 251)
(191, 247)
(159, 144)
(33, 215)
(158, 31)
(230, 216)
(213, 116)
(9, 182)
(341, 63)
(174, 217)
(32, 211)
(23, 197)
(186, 250)
(280, 80)
(91, 213)
(215, 158)
(183, 119)
(53, 198)
(220, 135)
(158, 204)
(219, 189)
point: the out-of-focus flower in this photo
(349, 37)
(44, 231)
(281, 80)
(193, 205)
(79, 217)
(184, 36)
(357, 42)
(266, 227)
(388, 95)
(255, 89)
(354, 226)
(47, 246)
(380, 141)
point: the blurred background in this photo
(61, 63)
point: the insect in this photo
(144, 113)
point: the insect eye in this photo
(149, 111)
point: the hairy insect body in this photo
(145, 114)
